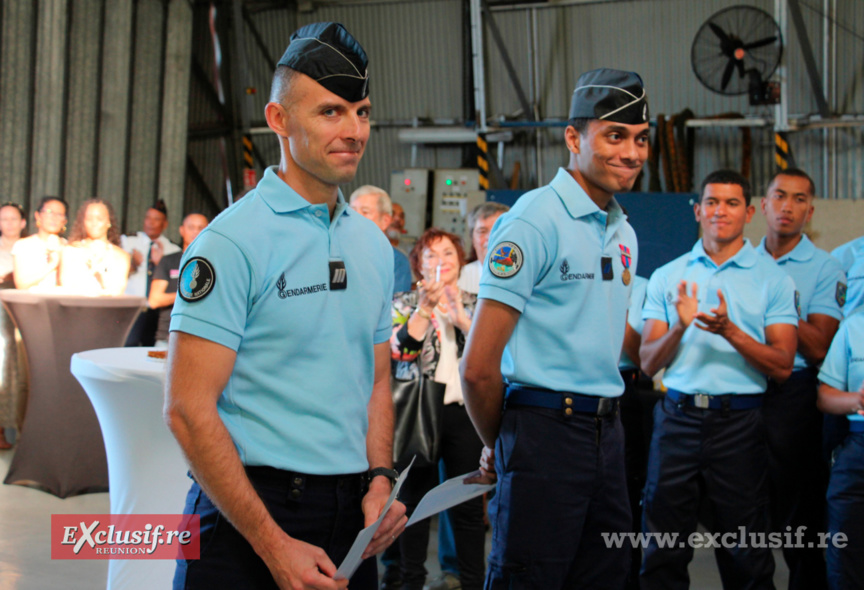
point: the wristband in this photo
(423, 313)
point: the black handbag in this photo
(419, 411)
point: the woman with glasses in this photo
(12, 373)
(93, 263)
(37, 258)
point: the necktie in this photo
(150, 268)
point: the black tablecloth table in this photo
(60, 448)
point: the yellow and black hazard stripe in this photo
(483, 160)
(782, 151)
(248, 160)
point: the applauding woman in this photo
(37, 258)
(93, 263)
(429, 330)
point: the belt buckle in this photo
(702, 401)
(605, 405)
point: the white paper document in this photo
(450, 493)
(355, 556)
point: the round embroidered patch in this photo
(196, 279)
(505, 260)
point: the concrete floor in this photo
(25, 553)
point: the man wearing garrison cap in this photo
(544, 348)
(279, 365)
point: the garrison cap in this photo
(327, 53)
(610, 95)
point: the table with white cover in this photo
(146, 469)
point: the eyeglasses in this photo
(55, 214)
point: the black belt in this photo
(856, 425)
(296, 483)
(519, 395)
(726, 401)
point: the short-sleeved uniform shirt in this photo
(546, 260)
(168, 269)
(258, 281)
(634, 318)
(758, 294)
(819, 282)
(851, 257)
(843, 367)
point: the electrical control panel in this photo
(410, 188)
(455, 192)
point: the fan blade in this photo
(727, 74)
(740, 64)
(761, 42)
(719, 32)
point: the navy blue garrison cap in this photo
(328, 54)
(610, 95)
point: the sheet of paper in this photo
(450, 493)
(355, 556)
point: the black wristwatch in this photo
(390, 474)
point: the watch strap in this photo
(390, 474)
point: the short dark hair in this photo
(727, 177)
(579, 124)
(429, 237)
(48, 198)
(796, 173)
(482, 211)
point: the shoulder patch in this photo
(505, 260)
(840, 293)
(196, 279)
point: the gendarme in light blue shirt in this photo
(758, 294)
(634, 318)
(843, 367)
(851, 257)
(545, 260)
(297, 396)
(819, 282)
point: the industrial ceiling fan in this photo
(736, 51)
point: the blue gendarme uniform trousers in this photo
(846, 515)
(322, 510)
(722, 455)
(797, 473)
(561, 484)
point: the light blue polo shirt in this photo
(634, 318)
(758, 294)
(851, 257)
(297, 396)
(819, 282)
(843, 368)
(545, 261)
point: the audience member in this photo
(374, 204)
(163, 288)
(798, 477)
(13, 377)
(93, 263)
(429, 330)
(719, 320)
(480, 222)
(397, 225)
(147, 248)
(37, 258)
(841, 392)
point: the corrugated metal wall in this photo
(98, 96)
(84, 92)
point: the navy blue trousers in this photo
(561, 484)
(798, 475)
(846, 515)
(721, 457)
(321, 510)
